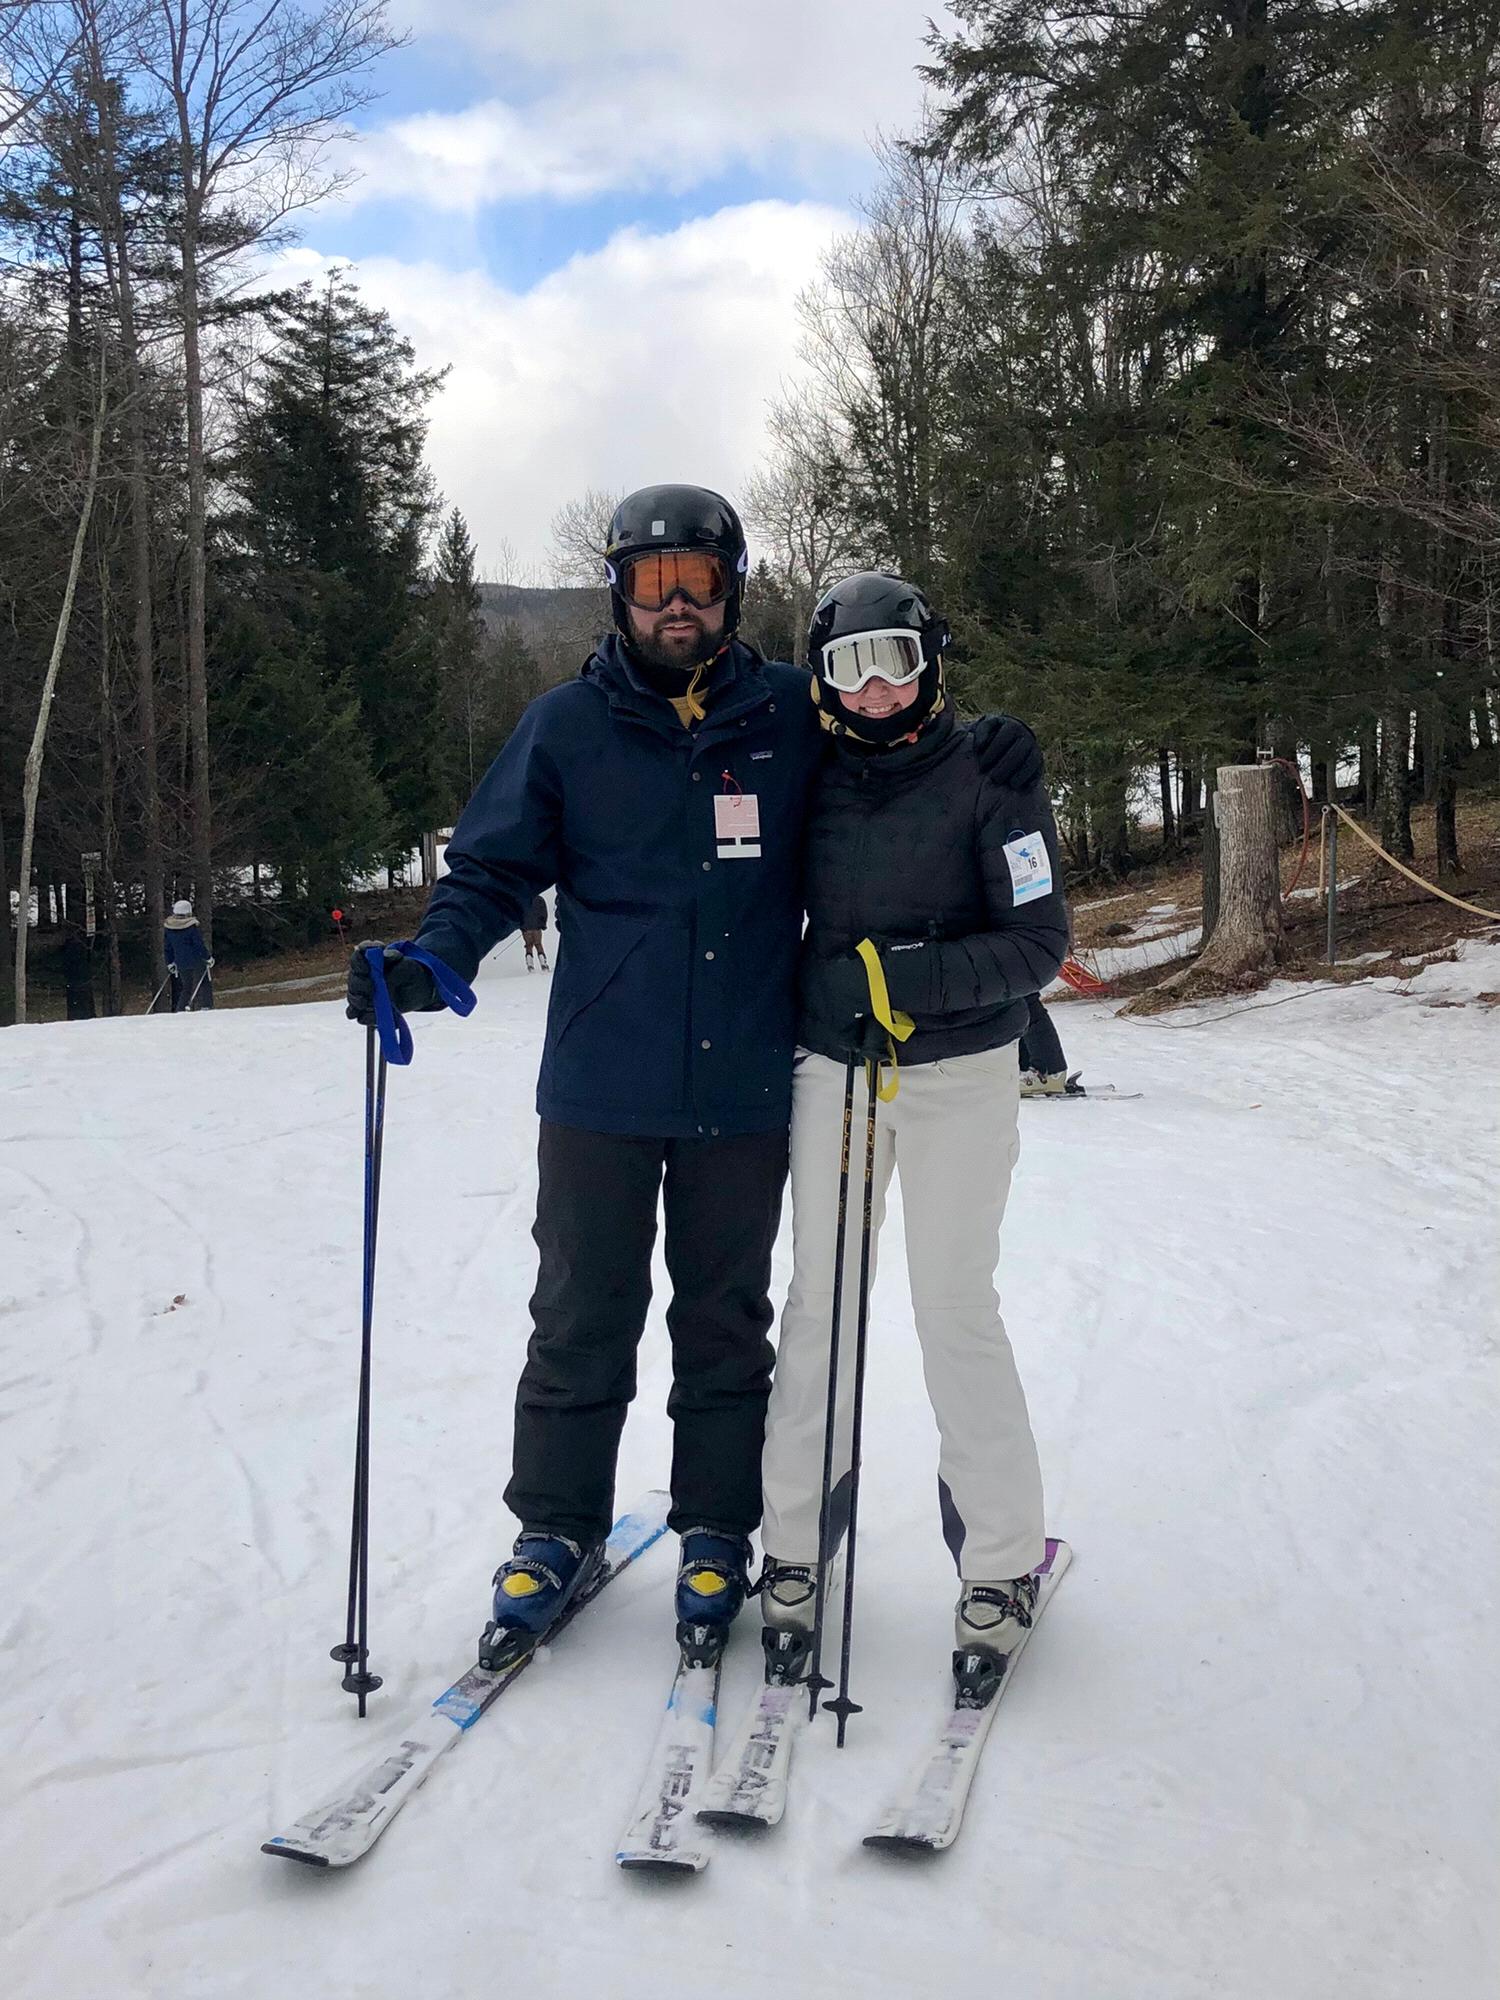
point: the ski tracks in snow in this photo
(1250, 1313)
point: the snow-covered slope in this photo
(1251, 1753)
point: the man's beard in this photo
(681, 655)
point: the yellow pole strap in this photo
(1410, 873)
(898, 1027)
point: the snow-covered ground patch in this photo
(1311, 889)
(1250, 1753)
(1150, 949)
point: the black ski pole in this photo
(816, 1681)
(843, 1708)
(354, 1653)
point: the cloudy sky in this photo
(599, 216)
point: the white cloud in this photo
(573, 100)
(649, 359)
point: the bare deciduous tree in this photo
(36, 47)
(580, 529)
(796, 505)
(33, 778)
(880, 338)
(256, 91)
(103, 35)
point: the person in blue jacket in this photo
(188, 961)
(664, 793)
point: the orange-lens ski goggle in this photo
(651, 581)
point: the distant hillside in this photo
(567, 619)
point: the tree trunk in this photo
(1395, 724)
(115, 239)
(1168, 821)
(1322, 778)
(1247, 939)
(33, 777)
(1077, 833)
(1395, 783)
(1210, 869)
(1446, 816)
(1281, 739)
(1450, 741)
(197, 563)
(105, 892)
(1369, 758)
(153, 866)
(1187, 794)
(7, 949)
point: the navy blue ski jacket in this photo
(677, 859)
(184, 945)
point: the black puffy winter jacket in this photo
(917, 850)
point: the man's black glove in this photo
(867, 1040)
(1007, 752)
(411, 986)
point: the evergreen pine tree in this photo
(458, 642)
(334, 505)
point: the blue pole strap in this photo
(395, 1036)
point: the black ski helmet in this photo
(874, 601)
(660, 518)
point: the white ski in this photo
(749, 1787)
(350, 1823)
(662, 1831)
(929, 1812)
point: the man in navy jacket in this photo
(663, 792)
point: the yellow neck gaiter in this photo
(689, 706)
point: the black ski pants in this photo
(597, 1200)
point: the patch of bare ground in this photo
(1386, 924)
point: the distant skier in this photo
(1044, 1068)
(531, 935)
(188, 961)
(663, 791)
(955, 878)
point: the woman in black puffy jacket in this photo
(955, 881)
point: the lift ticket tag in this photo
(737, 825)
(1030, 867)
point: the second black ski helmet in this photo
(874, 626)
(666, 521)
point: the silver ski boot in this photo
(991, 1618)
(788, 1605)
(995, 1614)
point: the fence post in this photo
(1333, 888)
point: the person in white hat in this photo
(188, 961)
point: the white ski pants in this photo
(951, 1135)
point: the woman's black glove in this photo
(836, 992)
(1007, 752)
(411, 986)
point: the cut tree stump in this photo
(1246, 944)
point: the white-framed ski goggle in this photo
(893, 655)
